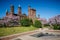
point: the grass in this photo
(14, 30)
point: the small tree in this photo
(26, 22)
(56, 26)
(38, 24)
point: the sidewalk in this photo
(29, 37)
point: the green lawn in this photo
(14, 30)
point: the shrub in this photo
(3, 25)
(37, 24)
(26, 22)
(46, 25)
(56, 27)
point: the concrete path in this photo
(29, 37)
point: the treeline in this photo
(28, 22)
(24, 22)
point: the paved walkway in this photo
(29, 37)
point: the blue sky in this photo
(45, 8)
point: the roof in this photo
(33, 9)
(15, 14)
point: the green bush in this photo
(3, 25)
(37, 24)
(56, 27)
(26, 22)
(46, 25)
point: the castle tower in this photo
(19, 10)
(33, 13)
(12, 9)
(6, 12)
(29, 11)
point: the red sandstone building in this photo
(11, 16)
(19, 15)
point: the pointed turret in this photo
(19, 10)
(12, 9)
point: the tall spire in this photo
(19, 10)
(12, 9)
